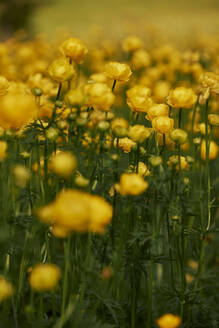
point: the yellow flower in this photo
(139, 133)
(157, 110)
(17, 109)
(100, 214)
(4, 85)
(131, 184)
(21, 175)
(63, 164)
(179, 136)
(138, 98)
(125, 144)
(174, 162)
(169, 321)
(118, 71)
(155, 160)
(59, 231)
(75, 49)
(75, 97)
(182, 97)
(163, 124)
(132, 43)
(3, 148)
(100, 96)
(60, 70)
(44, 277)
(213, 150)
(119, 122)
(6, 289)
(161, 90)
(210, 81)
(213, 119)
(140, 59)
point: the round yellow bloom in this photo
(21, 175)
(157, 110)
(140, 59)
(182, 97)
(161, 90)
(213, 119)
(163, 124)
(75, 97)
(132, 43)
(63, 164)
(174, 162)
(4, 85)
(118, 71)
(138, 98)
(139, 133)
(6, 289)
(179, 136)
(210, 81)
(169, 321)
(131, 184)
(44, 277)
(100, 96)
(3, 148)
(60, 70)
(126, 144)
(155, 160)
(213, 150)
(143, 169)
(75, 49)
(16, 110)
(119, 122)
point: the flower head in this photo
(182, 97)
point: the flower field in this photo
(109, 182)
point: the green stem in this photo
(180, 118)
(67, 244)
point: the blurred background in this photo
(115, 17)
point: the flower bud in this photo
(139, 133)
(81, 181)
(6, 289)
(21, 175)
(155, 160)
(179, 136)
(52, 134)
(44, 277)
(37, 92)
(63, 164)
(103, 126)
(163, 124)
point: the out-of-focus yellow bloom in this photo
(60, 70)
(75, 49)
(157, 110)
(169, 321)
(174, 162)
(16, 110)
(63, 164)
(6, 289)
(140, 59)
(182, 97)
(138, 98)
(44, 277)
(179, 136)
(100, 96)
(119, 121)
(21, 175)
(139, 133)
(201, 127)
(4, 85)
(131, 184)
(118, 71)
(213, 119)
(210, 81)
(142, 169)
(59, 231)
(81, 181)
(132, 43)
(3, 148)
(75, 97)
(161, 90)
(163, 124)
(75, 210)
(213, 150)
(126, 144)
(155, 160)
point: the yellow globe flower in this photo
(16, 110)
(75, 49)
(179, 136)
(174, 162)
(182, 97)
(132, 43)
(140, 59)
(118, 71)
(163, 124)
(131, 184)
(100, 96)
(6, 289)
(138, 98)
(157, 110)
(100, 214)
(60, 70)
(63, 164)
(213, 119)
(75, 97)
(44, 277)
(169, 321)
(125, 144)
(139, 133)
(210, 81)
